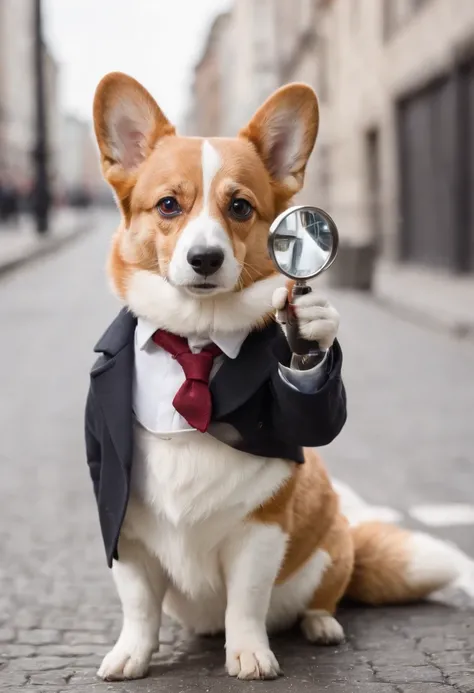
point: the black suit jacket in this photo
(253, 410)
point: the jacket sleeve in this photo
(93, 449)
(314, 419)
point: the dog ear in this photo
(284, 131)
(128, 122)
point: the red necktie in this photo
(193, 399)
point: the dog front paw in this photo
(249, 666)
(124, 663)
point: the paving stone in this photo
(26, 619)
(394, 657)
(441, 644)
(7, 635)
(402, 674)
(83, 676)
(72, 650)
(33, 664)
(452, 658)
(462, 681)
(11, 680)
(88, 638)
(48, 678)
(63, 622)
(14, 650)
(334, 672)
(91, 662)
(38, 637)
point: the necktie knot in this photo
(193, 399)
(196, 366)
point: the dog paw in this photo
(320, 627)
(123, 663)
(250, 666)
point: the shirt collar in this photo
(230, 343)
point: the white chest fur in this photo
(189, 493)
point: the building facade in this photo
(394, 160)
(206, 111)
(79, 179)
(18, 95)
(398, 114)
(16, 91)
(237, 71)
(53, 115)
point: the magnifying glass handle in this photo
(298, 345)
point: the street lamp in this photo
(40, 155)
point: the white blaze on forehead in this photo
(205, 231)
(211, 162)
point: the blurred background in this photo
(41, 142)
(393, 165)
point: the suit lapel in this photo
(112, 384)
(238, 379)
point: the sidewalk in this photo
(430, 297)
(21, 243)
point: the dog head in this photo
(196, 212)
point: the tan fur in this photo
(381, 567)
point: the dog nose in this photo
(205, 261)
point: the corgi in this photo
(235, 528)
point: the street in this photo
(407, 449)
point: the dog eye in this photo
(240, 209)
(168, 207)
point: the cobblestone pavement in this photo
(409, 440)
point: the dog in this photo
(233, 528)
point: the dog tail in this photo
(393, 565)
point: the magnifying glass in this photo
(303, 242)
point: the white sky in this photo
(155, 41)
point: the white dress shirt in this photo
(158, 377)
